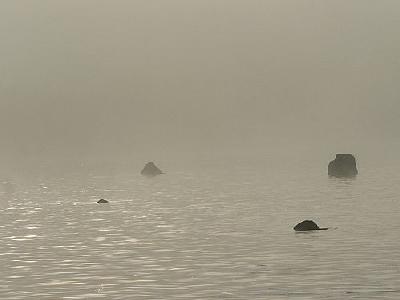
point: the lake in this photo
(219, 231)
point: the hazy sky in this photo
(83, 78)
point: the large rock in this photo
(151, 170)
(343, 166)
(307, 225)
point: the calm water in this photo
(210, 233)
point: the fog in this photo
(150, 80)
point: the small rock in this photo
(307, 225)
(151, 170)
(102, 201)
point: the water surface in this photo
(212, 233)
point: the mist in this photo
(150, 80)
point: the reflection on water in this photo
(200, 236)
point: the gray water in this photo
(209, 233)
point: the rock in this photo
(102, 201)
(307, 225)
(151, 170)
(343, 166)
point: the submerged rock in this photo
(344, 165)
(151, 170)
(102, 201)
(307, 225)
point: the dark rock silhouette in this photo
(307, 225)
(343, 166)
(102, 201)
(151, 170)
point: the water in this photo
(207, 233)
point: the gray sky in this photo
(88, 78)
